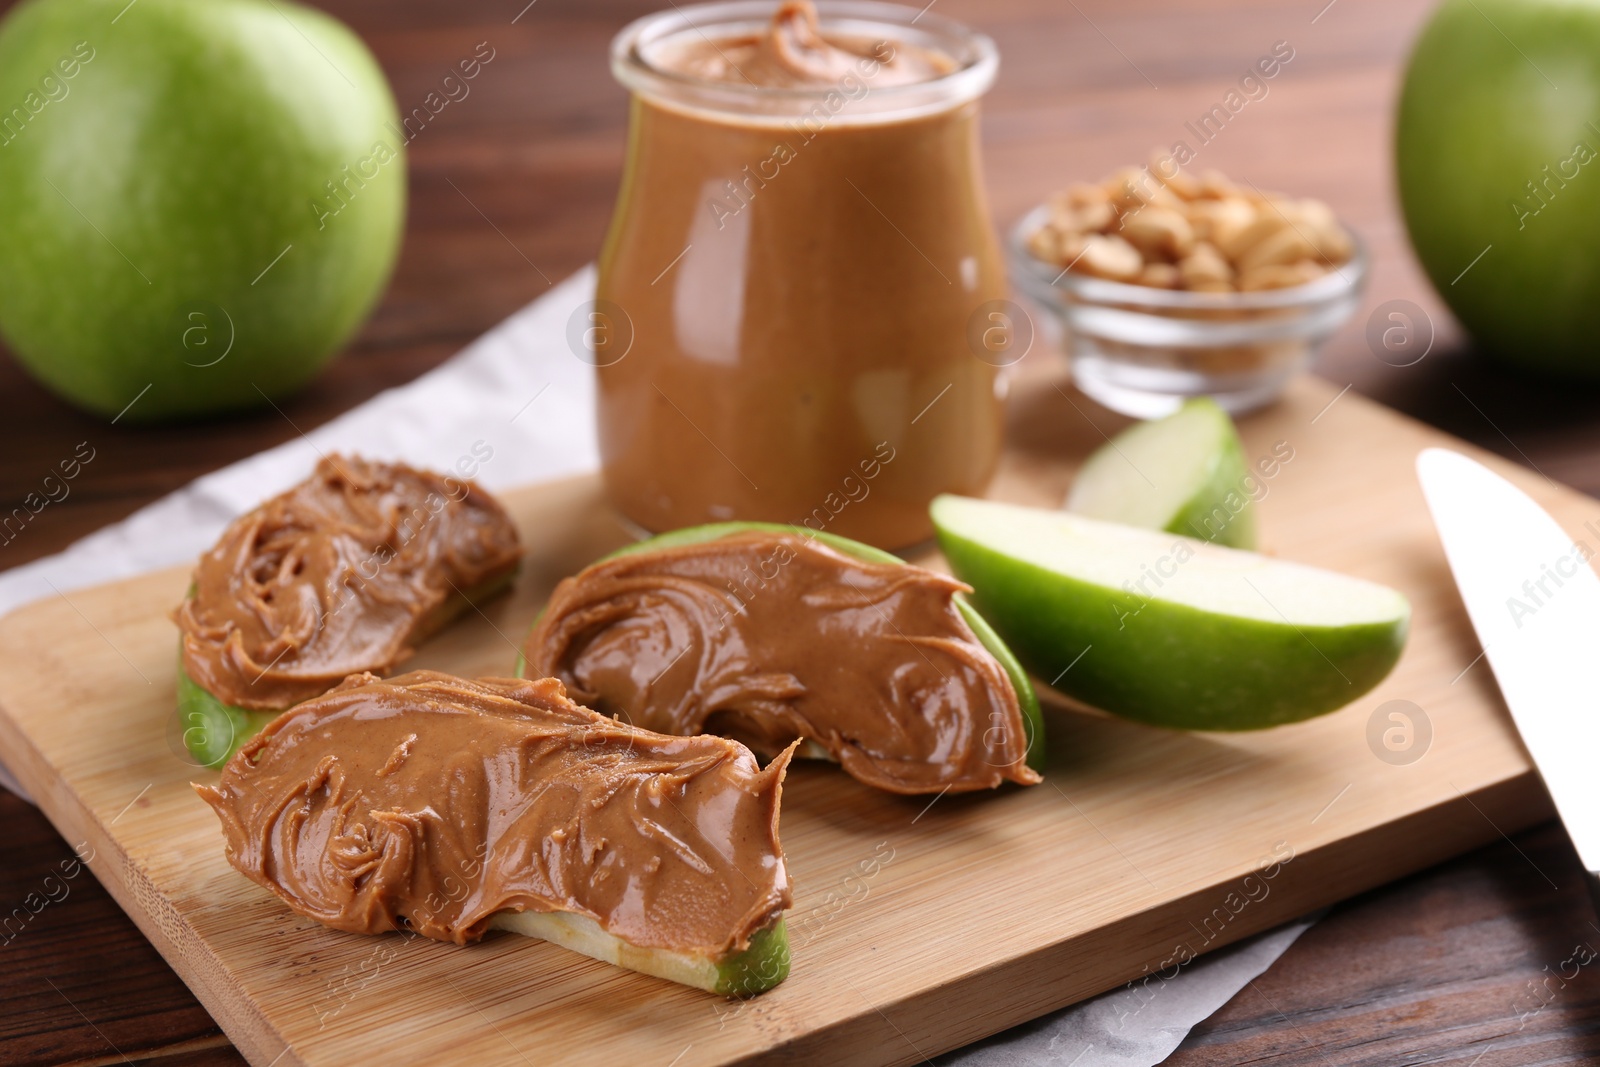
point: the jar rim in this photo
(975, 54)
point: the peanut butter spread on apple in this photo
(431, 803)
(344, 573)
(768, 637)
(793, 52)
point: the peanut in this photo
(1214, 185)
(1092, 217)
(1160, 233)
(1282, 246)
(1204, 270)
(1133, 188)
(1220, 221)
(1161, 276)
(1045, 243)
(1262, 227)
(1279, 275)
(1332, 243)
(1170, 174)
(1110, 257)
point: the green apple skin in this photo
(144, 206)
(1223, 494)
(214, 732)
(1217, 508)
(1169, 664)
(1477, 122)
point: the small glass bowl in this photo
(1142, 351)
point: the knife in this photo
(1535, 604)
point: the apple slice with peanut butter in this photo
(346, 572)
(769, 634)
(446, 807)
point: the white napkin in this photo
(523, 391)
(1139, 1024)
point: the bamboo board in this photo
(918, 926)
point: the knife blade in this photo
(1535, 604)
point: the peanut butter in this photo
(344, 573)
(431, 803)
(770, 637)
(794, 53)
(800, 250)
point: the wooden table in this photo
(512, 187)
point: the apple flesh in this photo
(200, 200)
(758, 968)
(1169, 630)
(1499, 175)
(1184, 473)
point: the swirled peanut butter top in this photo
(768, 637)
(431, 802)
(346, 572)
(794, 52)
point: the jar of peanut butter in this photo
(799, 271)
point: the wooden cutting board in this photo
(919, 924)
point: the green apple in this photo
(1184, 473)
(1496, 148)
(200, 200)
(1166, 629)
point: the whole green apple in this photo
(200, 200)
(1496, 142)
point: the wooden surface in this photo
(1435, 966)
(919, 924)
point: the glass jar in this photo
(800, 285)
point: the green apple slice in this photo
(1032, 717)
(1170, 630)
(755, 970)
(214, 731)
(1184, 473)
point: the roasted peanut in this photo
(1332, 243)
(1220, 221)
(1045, 243)
(1279, 275)
(1161, 276)
(1170, 174)
(1095, 217)
(1070, 248)
(1204, 270)
(1133, 188)
(1284, 245)
(1160, 233)
(1110, 257)
(1214, 185)
(1263, 226)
